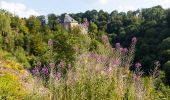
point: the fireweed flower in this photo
(50, 42)
(109, 69)
(99, 59)
(138, 65)
(121, 49)
(44, 71)
(35, 71)
(125, 50)
(58, 76)
(116, 62)
(135, 77)
(92, 55)
(134, 40)
(117, 46)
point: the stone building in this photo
(68, 23)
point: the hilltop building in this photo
(69, 23)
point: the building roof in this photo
(67, 19)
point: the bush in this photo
(10, 88)
(21, 57)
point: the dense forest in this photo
(43, 39)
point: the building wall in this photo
(74, 25)
(84, 30)
(66, 26)
(69, 26)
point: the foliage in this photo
(9, 87)
(16, 83)
(167, 70)
(4, 21)
(21, 57)
(37, 39)
(100, 76)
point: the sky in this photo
(25, 8)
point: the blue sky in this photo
(25, 8)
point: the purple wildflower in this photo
(121, 49)
(125, 50)
(35, 71)
(99, 59)
(117, 45)
(134, 40)
(58, 76)
(50, 42)
(109, 69)
(44, 71)
(135, 77)
(92, 55)
(138, 65)
(116, 62)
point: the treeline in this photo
(27, 38)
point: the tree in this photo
(53, 21)
(165, 44)
(33, 24)
(5, 21)
(42, 20)
(168, 16)
(15, 22)
(93, 28)
(166, 67)
(38, 46)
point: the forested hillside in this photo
(150, 25)
(124, 55)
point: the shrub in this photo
(21, 57)
(17, 83)
(10, 87)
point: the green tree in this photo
(5, 21)
(33, 24)
(38, 46)
(166, 67)
(53, 21)
(93, 28)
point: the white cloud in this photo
(17, 8)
